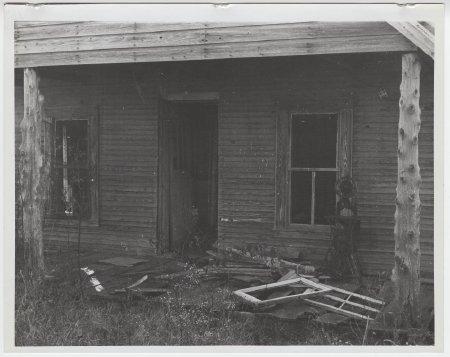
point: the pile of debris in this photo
(291, 290)
(127, 277)
(266, 285)
(236, 264)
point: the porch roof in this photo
(76, 43)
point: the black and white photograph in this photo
(226, 182)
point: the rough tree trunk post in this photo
(405, 274)
(34, 175)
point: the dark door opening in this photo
(188, 175)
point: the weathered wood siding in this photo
(375, 160)
(251, 91)
(127, 160)
(53, 44)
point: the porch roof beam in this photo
(96, 43)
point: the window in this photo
(74, 181)
(313, 151)
(313, 167)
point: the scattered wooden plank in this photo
(211, 253)
(270, 262)
(291, 274)
(139, 282)
(122, 261)
(93, 279)
(145, 291)
(299, 268)
(147, 272)
(240, 271)
(251, 279)
(243, 265)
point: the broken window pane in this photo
(314, 140)
(325, 196)
(301, 197)
(76, 142)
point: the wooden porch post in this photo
(405, 274)
(34, 174)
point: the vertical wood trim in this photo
(163, 180)
(34, 174)
(281, 170)
(93, 164)
(48, 159)
(313, 196)
(214, 170)
(406, 272)
(345, 134)
(66, 191)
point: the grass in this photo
(57, 313)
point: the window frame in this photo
(282, 220)
(92, 152)
(313, 171)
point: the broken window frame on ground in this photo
(311, 291)
(318, 295)
(91, 201)
(362, 304)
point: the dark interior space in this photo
(194, 173)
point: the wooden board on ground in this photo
(122, 261)
(144, 291)
(251, 279)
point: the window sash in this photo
(313, 193)
(85, 166)
(313, 170)
(283, 169)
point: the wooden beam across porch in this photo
(111, 42)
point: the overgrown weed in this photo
(55, 313)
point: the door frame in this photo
(163, 186)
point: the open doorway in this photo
(187, 209)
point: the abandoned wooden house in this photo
(153, 132)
